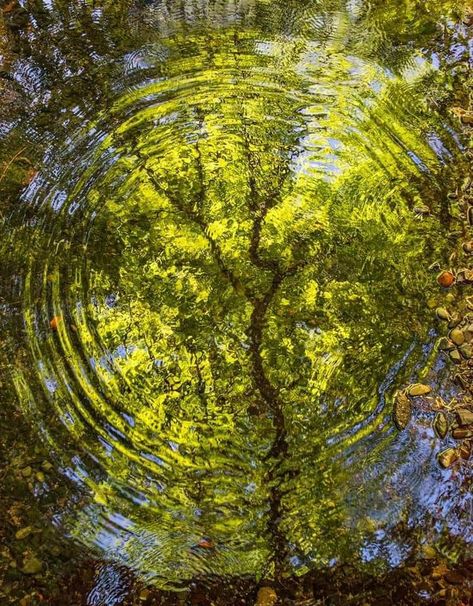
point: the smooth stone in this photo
(461, 433)
(454, 578)
(465, 451)
(266, 597)
(418, 389)
(457, 336)
(468, 247)
(466, 351)
(442, 314)
(455, 356)
(429, 552)
(464, 416)
(32, 565)
(448, 457)
(23, 533)
(446, 279)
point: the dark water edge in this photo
(72, 575)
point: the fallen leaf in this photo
(54, 322)
(402, 410)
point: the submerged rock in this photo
(462, 433)
(464, 416)
(23, 533)
(448, 457)
(267, 596)
(465, 450)
(32, 565)
(466, 351)
(468, 247)
(446, 279)
(457, 336)
(455, 356)
(418, 389)
(442, 314)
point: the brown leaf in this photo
(402, 410)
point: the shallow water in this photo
(221, 225)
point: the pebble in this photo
(460, 433)
(448, 457)
(23, 533)
(464, 416)
(418, 389)
(467, 118)
(465, 451)
(442, 314)
(429, 552)
(266, 597)
(31, 565)
(446, 279)
(455, 356)
(457, 336)
(454, 578)
(466, 351)
(40, 476)
(468, 247)
(468, 334)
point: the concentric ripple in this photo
(226, 279)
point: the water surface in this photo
(219, 227)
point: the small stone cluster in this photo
(454, 419)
